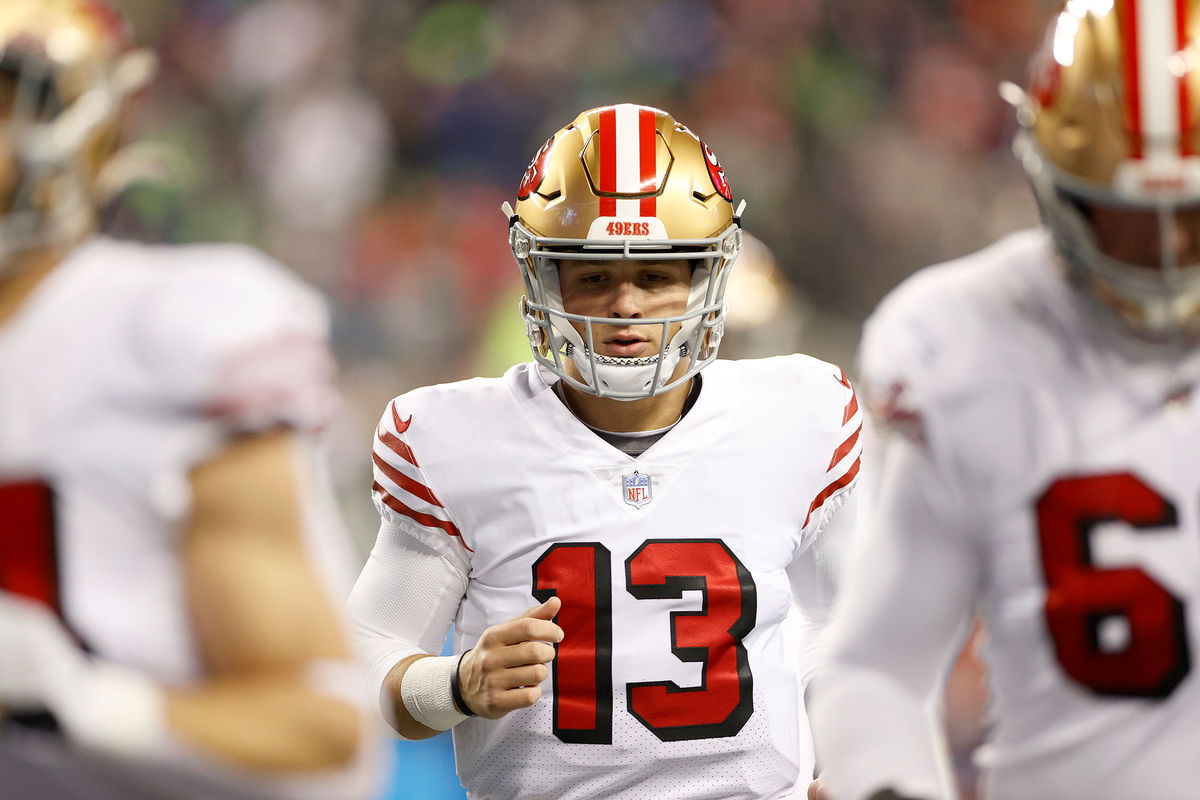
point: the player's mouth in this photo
(628, 345)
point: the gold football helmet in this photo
(66, 71)
(624, 182)
(1109, 137)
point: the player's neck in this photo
(628, 416)
(22, 278)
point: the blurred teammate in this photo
(167, 552)
(665, 518)
(1041, 466)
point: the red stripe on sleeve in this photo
(415, 488)
(1133, 89)
(648, 154)
(829, 490)
(393, 442)
(844, 448)
(1185, 98)
(851, 408)
(397, 446)
(416, 516)
(608, 161)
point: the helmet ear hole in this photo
(711, 340)
(534, 331)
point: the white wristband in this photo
(426, 693)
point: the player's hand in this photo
(816, 790)
(504, 670)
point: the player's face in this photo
(1135, 236)
(628, 290)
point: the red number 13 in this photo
(582, 671)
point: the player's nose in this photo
(626, 301)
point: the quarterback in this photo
(1042, 467)
(168, 553)
(618, 528)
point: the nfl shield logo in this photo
(636, 489)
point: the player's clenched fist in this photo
(504, 670)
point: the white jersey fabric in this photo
(698, 544)
(126, 367)
(1046, 477)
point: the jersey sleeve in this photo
(402, 604)
(237, 339)
(403, 494)
(844, 421)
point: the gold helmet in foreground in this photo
(66, 71)
(1111, 145)
(624, 182)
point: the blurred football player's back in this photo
(1042, 469)
(169, 552)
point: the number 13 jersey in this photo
(675, 569)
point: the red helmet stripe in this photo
(608, 160)
(1185, 102)
(648, 141)
(1133, 86)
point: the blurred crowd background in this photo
(369, 143)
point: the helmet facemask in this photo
(1155, 303)
(554, 338)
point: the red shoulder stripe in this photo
(851, 408)
(397, 446)
(845, 447)
(418, 517)
(395, 443)
(415, 488)
(829, 490)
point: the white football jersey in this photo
(1071, 466)
(126, 367)
(672, 568)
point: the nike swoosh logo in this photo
(401, 427)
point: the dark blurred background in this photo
(369, 143)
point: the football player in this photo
(618, 528)
(1040, 468)
(168, 551)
